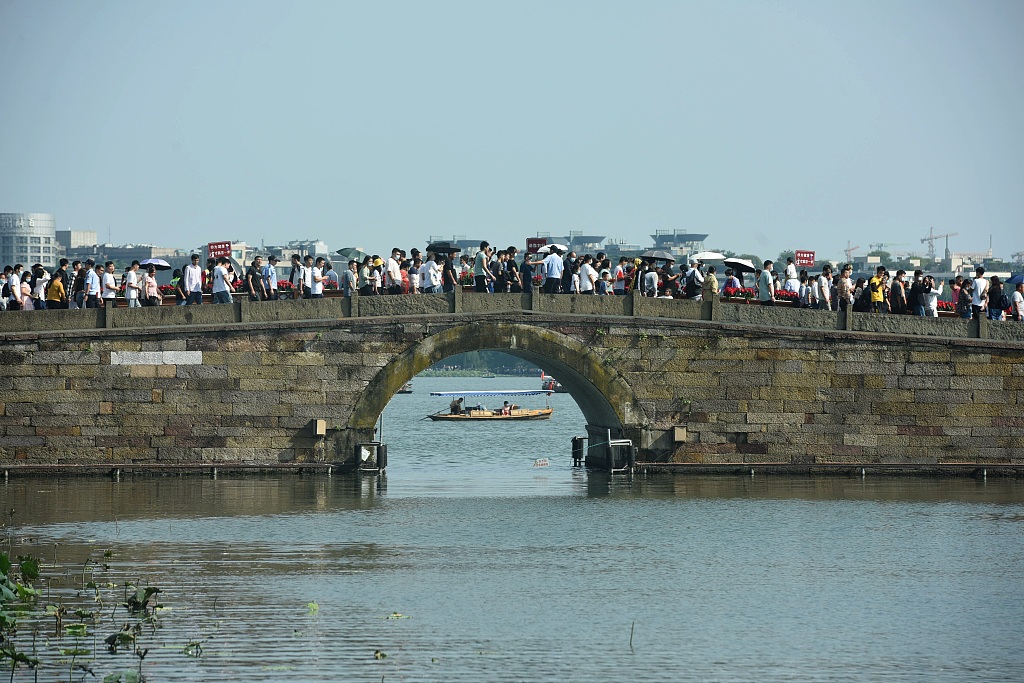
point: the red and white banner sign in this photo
(218, 249)
(535, 243)
(804, 258)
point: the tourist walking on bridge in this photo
(269, 275)
(222, 287)
(979, 298)
(192, 282)
(553, 267)
(877, 285)
(994, 301)
(1017, 302)
(766, 285)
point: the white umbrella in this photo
(157, 263)
(708, 256)
(658, 255)
(546, 249)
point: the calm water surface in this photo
(510, 572)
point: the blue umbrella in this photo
(1016, 279)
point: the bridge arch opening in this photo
(608, 403)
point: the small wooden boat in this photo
(478, 413)
(406, 388)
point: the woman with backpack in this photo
(997, 300)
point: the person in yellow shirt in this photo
(877, 285)
(56, 295)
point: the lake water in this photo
(503, 571)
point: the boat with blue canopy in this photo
(459, 409)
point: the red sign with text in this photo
(804, 258)
(218, 249)
(535, 243)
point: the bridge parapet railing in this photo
(244, 311)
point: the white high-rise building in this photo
(28, 238)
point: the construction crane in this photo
(1018, 257)
(849, 251)
(930, 239)
(880, 245)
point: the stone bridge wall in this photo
(688, 382)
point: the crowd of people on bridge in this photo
(91, 285)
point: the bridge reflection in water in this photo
(295, 578)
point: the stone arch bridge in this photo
(687, 382)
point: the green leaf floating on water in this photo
(313, 608)
(377, 654)
(77, 630)
(397, 615)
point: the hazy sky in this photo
(769, 125)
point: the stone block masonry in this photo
(249, 388)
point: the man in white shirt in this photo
(825, 289)
(92, 285)
(14, 281)
(1017, 302)
(553, 267)
(393, 272)
(588, 276)
(221, 282)
(619, 277)
(430, 275)
(792, 280)
(193, 282)
(270, 277)
(132, 288)
(317, 279)
(109, 284)
(980, 295)
(307, 277)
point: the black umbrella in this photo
(740, 264)
(443, 247)
(350, 253)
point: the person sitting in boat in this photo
(456, 406)
(506, 409)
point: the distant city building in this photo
(583, 244)
(75, 239)
(678, 242)
(28, 238)
(300, 247)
